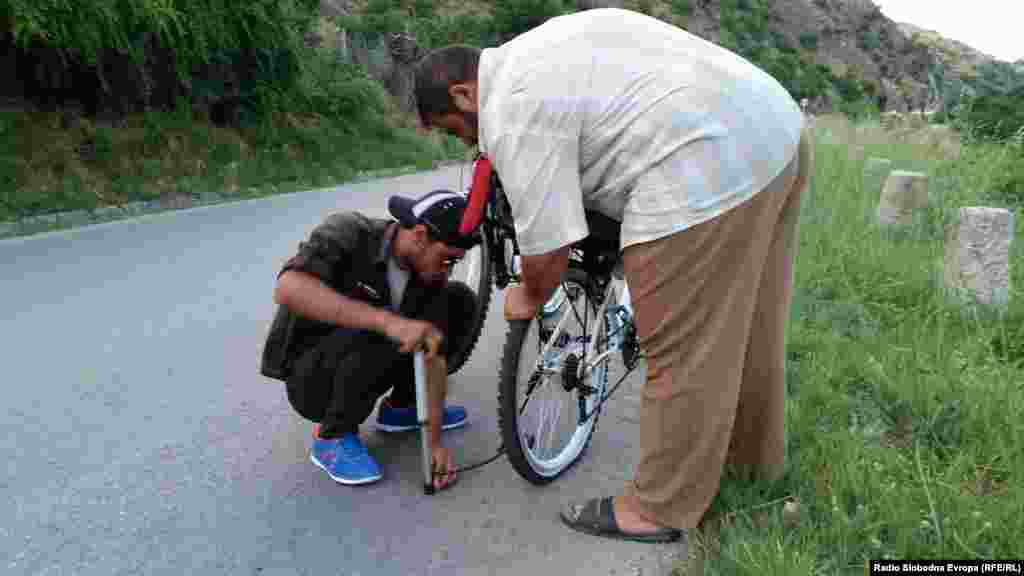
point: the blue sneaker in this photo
(391, 419)
(345, 460)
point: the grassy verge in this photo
(52, 161)
(905, 439)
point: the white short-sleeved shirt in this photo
(624, 114)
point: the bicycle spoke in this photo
(557, 409)
(538, 437)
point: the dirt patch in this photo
(901, 434)
(987, 481)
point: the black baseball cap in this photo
(440, 211)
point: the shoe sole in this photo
(393, 428)
(343, 480)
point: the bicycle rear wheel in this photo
(551, 387)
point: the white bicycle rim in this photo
(561, 403)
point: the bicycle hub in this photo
(570, 374)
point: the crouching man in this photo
(357, 299)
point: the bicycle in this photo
(572, 363)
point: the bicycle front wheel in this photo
(546, 413)
(475, 272)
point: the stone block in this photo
(904, 194)
(977, 264)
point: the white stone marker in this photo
(903, 194)
(978, 255)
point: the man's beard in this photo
(472, 122)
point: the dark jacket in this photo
(347, 252)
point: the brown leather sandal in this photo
(597, 517)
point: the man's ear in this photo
(464, 96)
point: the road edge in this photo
(72, 219)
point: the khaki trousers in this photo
(711, 306)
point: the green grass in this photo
(48, 164)
(904, 407)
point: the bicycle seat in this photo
(604, 231)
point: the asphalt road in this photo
(140, 438)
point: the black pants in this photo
(338, 381)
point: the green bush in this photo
(869, 40)
(472, 29)
(379, 18)
(809, 40)
(1009, 183)
(423, 8)
(192, 30)
(682, 7)
(215, 51)
(513, 17)
(334, 90)
(997, 117)
(745, 29)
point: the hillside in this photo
(955, 61)
(836, 53)
(829, 51)
(954, 53)
(851, 37)
(270, 95)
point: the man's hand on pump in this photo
(412, 335)
(428, 339)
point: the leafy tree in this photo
(513, 17)
(997, 117)
(116, 54)
(682, 7)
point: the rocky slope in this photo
(952, 52)
(958, 61)
(851, 37)
(845, 42)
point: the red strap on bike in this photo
(479, 194)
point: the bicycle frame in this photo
(598, 257)
(497, 228)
